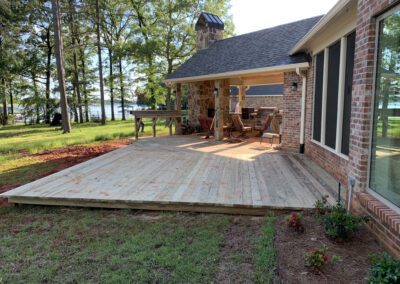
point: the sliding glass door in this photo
(385, 150)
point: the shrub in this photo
(384, 269)
(316, 258)
(339, 225)
(294, 221)
(321, 205)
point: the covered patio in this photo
(186, 173)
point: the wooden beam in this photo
(135, 120)
(219, 115)
(264, 79)
(242, 95)
(154, 126)
(155, 113)
(178, 107)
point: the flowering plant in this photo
(294, 221)
(317, 257)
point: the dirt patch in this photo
(291, 247)
(66, 157)
(237, 255)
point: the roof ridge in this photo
(271, 28)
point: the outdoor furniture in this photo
(206, 125)
(246, 112)
(239, 126)
(170, 116)
(272, 128)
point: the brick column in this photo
(178, 107)
(291, 107)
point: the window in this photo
(348, 88)
(319, 75)
(332, 95)
(385, 146)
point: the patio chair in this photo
(239, 126)
(272, 128)
(206, 125)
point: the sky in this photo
(253, 15)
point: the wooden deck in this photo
(185, 173)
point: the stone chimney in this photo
(209, 28)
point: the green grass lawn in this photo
(33, 138)
(40, 245)
(69, 245)
(19, 142)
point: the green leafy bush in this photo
(339, 225)
(316, 258)
(384, 269)
(321, 205)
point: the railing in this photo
(170, 115)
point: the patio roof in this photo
(262, 51)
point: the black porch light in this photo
(216, 92)
(294, 86)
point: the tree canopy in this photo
(140, 42)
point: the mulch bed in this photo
(291, 247)
(66, 157)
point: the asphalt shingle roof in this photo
(260, 49)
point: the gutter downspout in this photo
(303, 109)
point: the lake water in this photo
(95, 110)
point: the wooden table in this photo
(171, 115)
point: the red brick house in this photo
(340, 76)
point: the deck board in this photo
(185, 173)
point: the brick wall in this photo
(382, 224)
(385, 222)
(291, 108)
(260, 101)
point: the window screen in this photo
(319, 75)
(332, 95)
(351, 41)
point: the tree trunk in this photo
(169, 91)
(60, 66)
(11, 97)
(111, 84)
(48, 75)
(5, 106)
(85, 94)
(75, 61)
(103, 110)
(36, 93)
(121, 82)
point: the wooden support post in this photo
(219, 114)
(170, 126)
(178, 107)
(154, 126)
(242, 94)
(135, 119)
